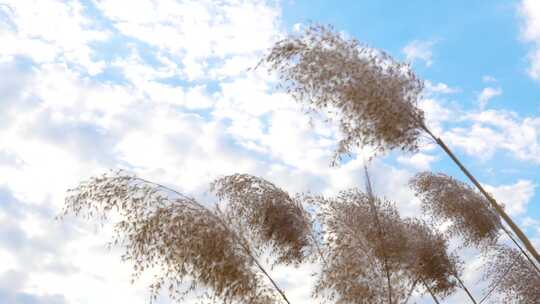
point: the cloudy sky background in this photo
(163, 91)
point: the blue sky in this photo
(164, 91)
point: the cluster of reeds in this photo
(375, 256)
(160, 228)
(376, 101)
(367, 251)
(511, 273)
(369, 254)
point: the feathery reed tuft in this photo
(274, 218)
(374, 254)
(428, 258)
(447, 199)
(361, 259)
(375, 95)
(174, 233)
(513, 277)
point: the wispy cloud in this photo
(487, 94)
(496, 130)
(515, 197)
(439, 88)
(530, 32)
(489, 79)
(418, 50)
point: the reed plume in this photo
(375, 95)
(512, 277)
(447, 199)
(174, 233)
(375, 256)
(273, 218)
(357, 266)
(428, 258)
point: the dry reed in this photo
(512, 277)
(374, 255)
(375, 95)
(274, 218)
(447, 199)
(176, 235)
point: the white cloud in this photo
(487, 94)
(530, 32)
(439, 88)
(478, 140)
(493, 130)
(49, 31)
(482, 133)
(228, 28)
(12, 291)
(419, 50)
(234, 66)
(514, 197)
(437, 113)
(418, 161)
(488, 78)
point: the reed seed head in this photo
(447, 199)
(513, 277)
(374, 96)
(274, 218)
(175, 234)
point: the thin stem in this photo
(522, 251)
(362, 247)
(270, 278)
(319, 250)
(430, 292)
(240, 240)
(523, 238)
(465, 288)
(498, 282)
(413, 286)
(380, 230)
(316, 243)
